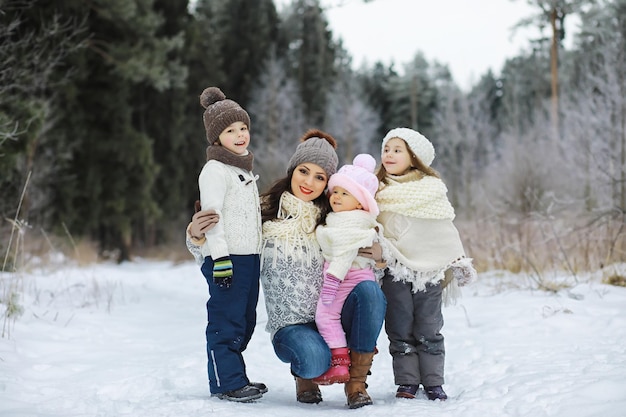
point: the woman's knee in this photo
(370, 295)
(304, 349)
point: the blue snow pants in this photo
(231, 318)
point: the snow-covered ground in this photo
(128, 340)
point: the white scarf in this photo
(295, 226)
(423, 198)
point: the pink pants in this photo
(328, 317)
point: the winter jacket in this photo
(232, 192)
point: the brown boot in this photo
(355, 388)
(307, 391)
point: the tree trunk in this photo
(414, 102)
(554, 68)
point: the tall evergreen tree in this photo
(246, 31)
(107, 191)
(36, 39)
(525, 89)
(353, 122)
(376, 83)
(414, 96)
(310, 53)
(277, 115)
(160, 112)
(595, 109)
(554, 12)
(203, 61)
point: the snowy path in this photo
(128, 340)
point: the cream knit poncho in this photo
(421, 242)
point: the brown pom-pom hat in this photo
(220, 113)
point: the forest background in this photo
(101, 139)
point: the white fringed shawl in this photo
(421, 240)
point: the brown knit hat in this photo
(220, 113)
(316, 147)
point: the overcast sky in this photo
(470, 36)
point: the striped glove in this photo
(329, 289)
(223, 272)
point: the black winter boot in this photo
(244, 394)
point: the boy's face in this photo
(396, 157)
(236, 138)
(341, 200)
(308, 181)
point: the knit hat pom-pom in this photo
(211, 95)
(315, 133)
(365, 161)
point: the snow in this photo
(128, 340)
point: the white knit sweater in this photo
(232, 192)
(291, 264)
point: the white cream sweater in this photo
(232, 192)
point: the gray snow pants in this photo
(413, 323)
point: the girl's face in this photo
(308, 181)
(236, 138)
(341, 200)
(396, 157)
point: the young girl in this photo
(350, 226)
(230, 250)
(423, 246)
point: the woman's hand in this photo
(202, 222)
(374, 252)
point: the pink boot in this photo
(339, 371)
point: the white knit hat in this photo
(421, 147)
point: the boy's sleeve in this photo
(213, 185)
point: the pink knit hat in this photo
(359, 180)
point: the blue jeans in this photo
(362, 319)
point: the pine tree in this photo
(277, 115)
(107, 190)
(310, 53)
(36, 41)
(376, 83)
(162, 114)
(414, 97)
(352, 120)
(246, 31)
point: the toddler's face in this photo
(342, 200)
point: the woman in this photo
(291, 274)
